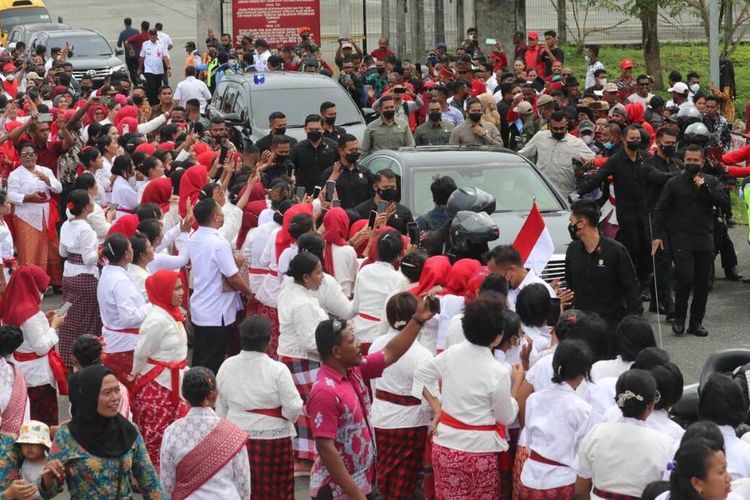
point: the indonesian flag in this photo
(534, 242)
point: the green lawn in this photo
(739, 209)
(682, 57)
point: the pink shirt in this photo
(339, 407)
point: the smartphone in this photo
(538, 84)
(45, 117)
(382, 205)
(371, 220)
(400, 90)
(300, 192)
(434, 304)
(113, 206)
(222, 155)
(316, 192)
(335, 203)
(64, 308)
(554, 311)
(490, 41)
(413, 231)
(330, 186)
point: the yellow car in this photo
(15, 12)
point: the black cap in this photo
(261, 43)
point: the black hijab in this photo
(106, 437)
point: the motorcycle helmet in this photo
(472, 199)
(696, 133)
(687, 116)
(472, 227)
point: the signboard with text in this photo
(276, 21)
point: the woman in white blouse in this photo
(699, 471)
(159, 361)
(299, 315)
(341, 258)
(143, 254)
(7, 249)
(99, 219)
(37, 359)
(265, 409)
(556, 421)
(478, 402)
(618, 459)
(634, 334)
(80, 246)
(124, 193)
(109, 150)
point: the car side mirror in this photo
(119, 52)
(369, 114)
(59, 19)
(233, 118)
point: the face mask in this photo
(573, 231)
(602, 81)
(388, 115)
(436, 116)
(692, 169)
(330, 120)
(607, 145)
(475, 117)
(137, 100)
(587, 59)
(279, 131)
(667, 150)
(695, 87)
(558, 135)
(281, 158)
(314, 135)
(353, 156)
(588, 139)
(633, 145)
(388, 194)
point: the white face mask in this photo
(602, 81)
(587, 59)
(588, 139)
(695, 87)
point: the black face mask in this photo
(669, 151)
(437, 116)
(281, 158)
(475, 117)
(137, 100)
(85, 88)
(633, 145)
(279, 131)
(314, 135)
(330, 120)
(388, 194)
(559, 136)
(573, 231)
(692, 169)
(388, 115)
(353, 156)
(278, 217)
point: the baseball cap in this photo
(609, 87)
(619, 109)
(346, 45)
(544, 100)
(585, 126)
(679, 87)
(533, 35)
(523, 108)
(626, 64)
(33, 76)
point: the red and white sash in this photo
(59, 371)
(12, 416)
(174, 367)
(208, 457)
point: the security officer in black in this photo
(353, 183)
(657, 170)
(684, 216)
(625, 167)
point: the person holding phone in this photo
(314, 155)
(353, 184)
(385, 186)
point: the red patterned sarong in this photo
(463, 475)
(304, 372)
(271, 468)
(153, 410)
(400, 460)
(38, 247)
(272, 314)
(121, 365)
(522, 454)
(567, 492)
(82, 317)
(43, 404)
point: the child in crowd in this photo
(34, 442)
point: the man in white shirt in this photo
(505, 261)
(191, 88)
(592, 57)
(260, 59)
(166, 41)
(153, 63)
(213, 309)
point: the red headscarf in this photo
(132, 124)
(127, 225)
(472, 288)
(435, 272)
(199, 148)
(207, 157)
(336, 224)
(250, 219)
(356, 227)
(158, 191)
(126, 112)
(460, 274)
(22, 298)
(283, 238)
(372, 253)
(146, 147)
(160, 287)
(191, 183)
(92, 111)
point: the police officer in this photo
(684, 216)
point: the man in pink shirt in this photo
(339, 405)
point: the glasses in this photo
(28, 155)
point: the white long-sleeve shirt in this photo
(529, 279)
(38, 337)
(475, 391)
(268, 292)
(98, 222)
(121, 306)
(345, 267)
(272, 387)
(330, 297)
(375, 282)
(738, 453)
(77, 237)
(609, 368)
(163, 339)
(139, 276)
(232, 482)
(299, 315)
(124, 195)
(232, 224)
(555, 158)
(252, 249)
(22, 182)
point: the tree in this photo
(580, 29)
(733, 22)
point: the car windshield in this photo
(296, 104)
(514, 186)
(83, 45)
(30, 15)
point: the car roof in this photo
(285, 80)
(425, 156)
(43, 27)
(71, 32)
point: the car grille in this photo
(99, 73)
(555, 269)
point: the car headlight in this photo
(119, 67)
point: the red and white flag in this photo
(534, 242)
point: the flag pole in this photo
(656, 286)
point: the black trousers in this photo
(635, 235)
(724, 246)
(692, 270)
(132, 64)
(661, 283)
(153, 82)
(210, 345)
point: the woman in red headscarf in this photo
(159, 361)
(37, 359)
(452, 297)
(358, 237)
(158, 191)
(340, 258)
(191, 183)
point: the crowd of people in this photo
(236, 315)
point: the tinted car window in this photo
(83, 45)
(514, 187)
(13, 17)
(297, 104)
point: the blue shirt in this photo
(453, 115)
(434, 219)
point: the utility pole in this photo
(364, 26)
(562, 32)
(713, 40)
(439, 21)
